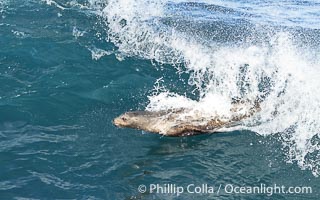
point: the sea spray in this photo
(272, 70)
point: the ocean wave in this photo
(230, 55)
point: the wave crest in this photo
(272, 65)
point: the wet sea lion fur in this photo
(179, 122)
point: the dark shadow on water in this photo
(172, 145)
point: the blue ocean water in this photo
(67, 68)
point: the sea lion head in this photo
(136, 119)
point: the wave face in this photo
(265, 51)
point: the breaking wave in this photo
(267, 54)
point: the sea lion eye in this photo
(124, 119)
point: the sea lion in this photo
(183, 122)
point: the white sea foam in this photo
(77, 33)
(19, 34)
(52, 2)
(278, 70)
(3, 7)
(97, 53)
